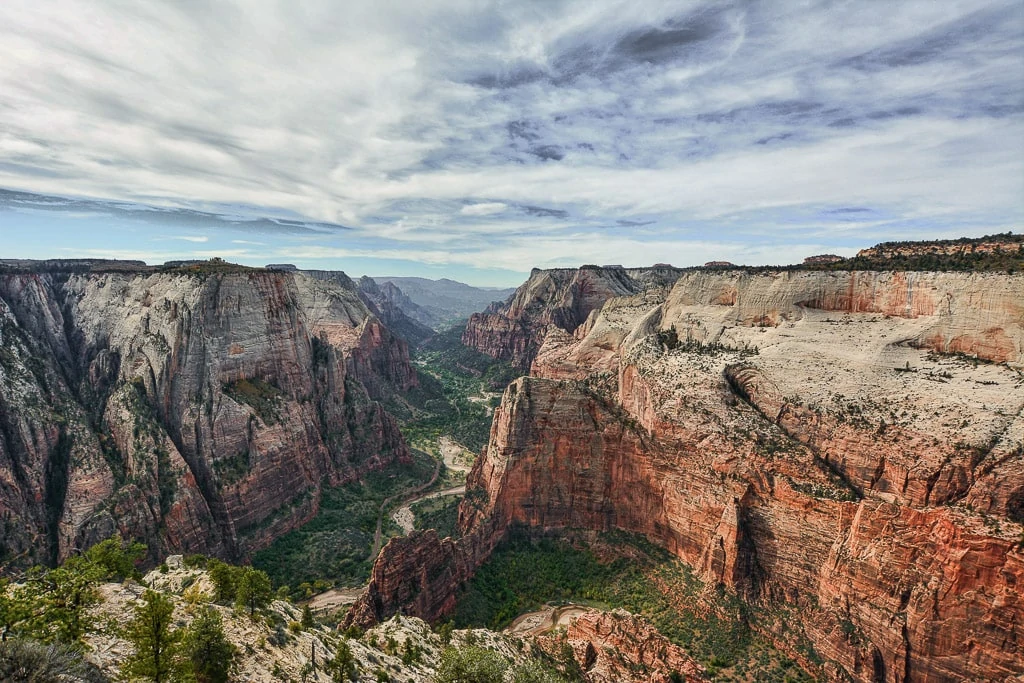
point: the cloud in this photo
(483, 209)
(545, 132)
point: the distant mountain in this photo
(397, 311)
(443, 301)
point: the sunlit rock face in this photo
(810, 440)
(200, 412)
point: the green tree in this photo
(209, 653)
(225, 580)
(116, 558)
(471, 665)
(253, 589)
(59, 600)
(307, 617)
(343, 666)
(157, 655)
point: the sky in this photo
(477, 139)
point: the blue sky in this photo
(476, 140)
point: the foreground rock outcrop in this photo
(848, 446)
(200, 409)
(618, 647)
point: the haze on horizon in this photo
(476, 140)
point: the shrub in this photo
(471, 665)
(28, 660)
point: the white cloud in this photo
(516, 133)
(483, 209)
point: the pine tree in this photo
(157, 645)
(116, 558)
(343, 666)
(225, 580)
(206, 648)
(307, 617)
(253, 589)
(61, 599)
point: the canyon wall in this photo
(843, 446)
(200, 411)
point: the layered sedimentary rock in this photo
(618, 647)
(1007, 243)
(815, 441)
(200, 411)
(560, 299)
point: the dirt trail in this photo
(538, 623)
(391, 499)
(455, 458)
(334, 599)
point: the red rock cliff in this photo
(200, 412)
(793, 437)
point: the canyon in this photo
(846, 446)
(840, 451)
(200, 408)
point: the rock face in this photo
(804, 439)
(198, 411)
(394, 309)
(560, 299)
(614, 647)
(439, 303)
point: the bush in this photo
(28, 660)
(471, 665)
(535, 672)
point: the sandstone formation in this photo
(560, 299)
(844, 446)
(198, 409)
(618, 647)
(1007, 243)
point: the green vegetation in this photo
(157, 647)
(713, 626)
(449, 374)
(52, 605)
(252, 589)
(336, 544)
(440, 513)
(670, 339)
(207, 650)
(28, 660)
(262, 397)
(928, 256)
(246, 587)
(343, 667)
(471, 665)
(474, 664)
